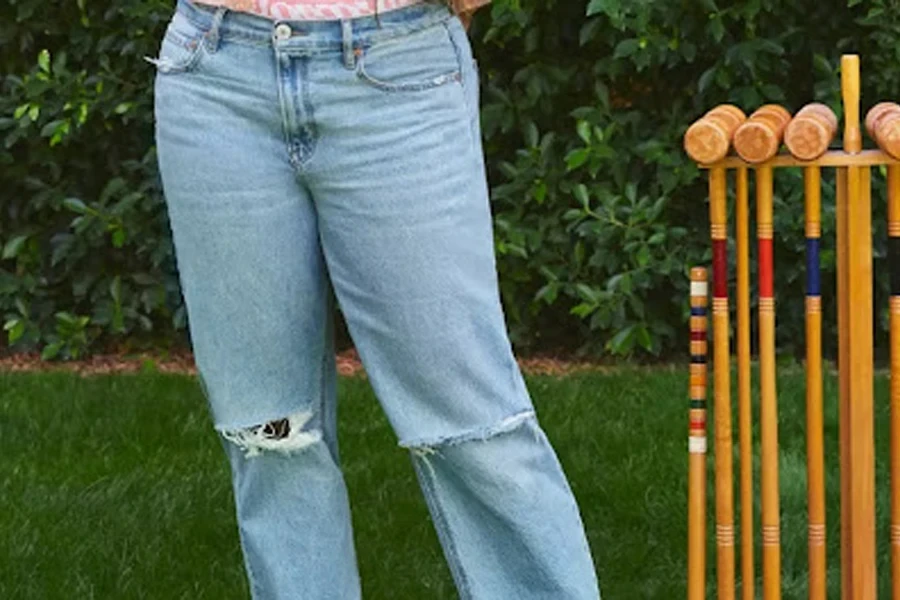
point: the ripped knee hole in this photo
(427, 447)
(281, 435)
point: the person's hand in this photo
(466, 18)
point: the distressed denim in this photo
(313, 165)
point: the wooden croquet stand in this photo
(756, 142)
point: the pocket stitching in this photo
(409, 86)
(196, 46)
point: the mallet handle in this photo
(850, 94)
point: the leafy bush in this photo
(86, 248)
(598, 212)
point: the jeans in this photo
(311, 165)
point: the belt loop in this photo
(347, 39)
(213, 35)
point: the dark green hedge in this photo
(598, 212)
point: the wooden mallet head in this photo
(811, 131)
(759, 138)
(883, 126)
(709, 138)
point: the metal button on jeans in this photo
(282, 31)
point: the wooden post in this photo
(855, 338)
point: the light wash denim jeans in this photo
(305, 163)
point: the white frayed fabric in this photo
(255, 440)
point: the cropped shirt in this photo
(305, 10)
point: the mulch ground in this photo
(182, 361)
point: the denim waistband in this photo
(226, 24)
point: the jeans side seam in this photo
(251, 577)
(463, 85)
(327, 355)
(442, 528)
(248, 568)
(516, 377)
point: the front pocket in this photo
(410, 62)
(182, 46)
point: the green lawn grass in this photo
(117, 487)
